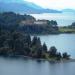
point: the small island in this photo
(37, 37)
(15, 43)
(15, 39)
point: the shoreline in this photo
(49, 34)
(42, 59)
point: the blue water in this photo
(19, 66)
(63, 19)
(34, 67)
(63, 42)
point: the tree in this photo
(38, 41)
(27, 50)
(65, 55)
(28, 40)
(53, 22)
(73, 24)
(58, 55)
(39, 50)
(37, 47)
(53, 51)
(4, 51)
(2, 40)
(34, 41)
(44, 48)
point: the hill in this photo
(23, 7)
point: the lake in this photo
(63, 42)
(27, 66)
(34, 67)
(63, 19)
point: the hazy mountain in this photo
(12, 1)
(68, 10)
(21, 6)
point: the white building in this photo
(32, 22)
(41, 22)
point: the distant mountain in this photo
(15, 1)
(21, 6)
(68, 10)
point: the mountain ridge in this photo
(24, 7)
(68, 10)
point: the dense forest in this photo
(11, 21)
(15, 40)
(16, 43)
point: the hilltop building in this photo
(32, 22)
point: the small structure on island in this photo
(34, 22)
(41, 22)
(27, 22)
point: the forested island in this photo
(15, 43)
(15, 39)
(27, 24)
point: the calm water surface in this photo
(63, 42)
(34, 67)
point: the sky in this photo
(51, 4)
(55, 4)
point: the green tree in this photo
(27, 39)
(53, 22)
(65, 55)
(34, 41)
(53, 51)
(44, 48)
(58, 55)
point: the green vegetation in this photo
(16, 43)
(12, 21)
(68, 29)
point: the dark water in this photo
(34, 67)
(63, 42)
